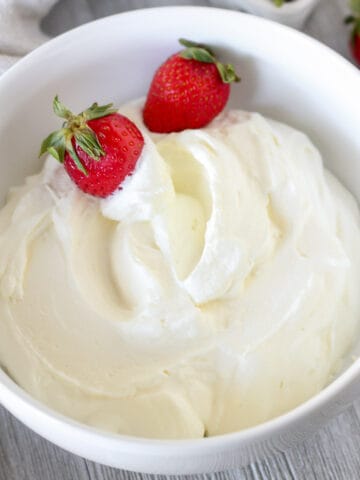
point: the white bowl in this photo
(112, 60)
(293, 14)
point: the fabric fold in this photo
(20, 28)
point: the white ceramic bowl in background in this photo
(113, 60)
(294, 14)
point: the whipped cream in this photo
(216, 290)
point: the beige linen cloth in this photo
(20, 28)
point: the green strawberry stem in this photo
(202, 53)
(75, 126)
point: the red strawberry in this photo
(355, 33)
(99, 147)
(188, 90)
(355, 47)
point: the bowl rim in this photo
(11, 393)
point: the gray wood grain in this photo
(332, 454)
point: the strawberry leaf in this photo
(87, 140)
(199, 54)
(55, 144)
(60, 109)
(52, 151)
(72, 152)
(227, 72)
(190, 44)
(98, 111)
(75, 127)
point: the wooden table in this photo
(332, 454)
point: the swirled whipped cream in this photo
(217, 289)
